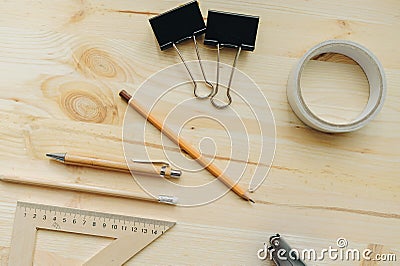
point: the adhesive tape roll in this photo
(372, 69)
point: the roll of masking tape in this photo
(372, 69)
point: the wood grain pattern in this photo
(63, 63)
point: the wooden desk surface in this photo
(320, 187)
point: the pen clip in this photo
(151, 162)
(165, 168)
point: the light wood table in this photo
(62, 64)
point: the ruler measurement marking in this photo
(92, 223)
(119, 220)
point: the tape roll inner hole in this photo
(335, 88)
(369, 98)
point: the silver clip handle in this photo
(173, 173)
(151, 162)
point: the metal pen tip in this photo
(57, 156)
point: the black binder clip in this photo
(233, 31)
(177, 25)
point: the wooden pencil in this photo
(56, 184)
(185, 146)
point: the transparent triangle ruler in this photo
(131, 234)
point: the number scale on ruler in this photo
(132, 234)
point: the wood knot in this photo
(78, 16)
(345, 26)
(95, 62)
(83, 106)
(82, 100)
(342, 23)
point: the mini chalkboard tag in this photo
(233, 31)
(177, 25)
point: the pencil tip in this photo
(56, 156)
(252, 200)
